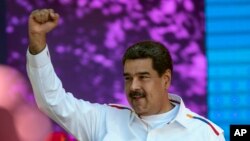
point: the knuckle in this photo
(51, 10)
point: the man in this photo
(156, 115)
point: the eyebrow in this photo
(138, 73)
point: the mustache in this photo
(135, 94)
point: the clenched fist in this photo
(40, 23)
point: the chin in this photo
(141, 112)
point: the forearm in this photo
(50, 96)
(39, 69)
(47, 87)
(74, 115)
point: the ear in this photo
(167, 78)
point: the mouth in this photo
(137, 95)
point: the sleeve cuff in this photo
(39, 60)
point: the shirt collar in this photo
(181, 116)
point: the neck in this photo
(169, 106)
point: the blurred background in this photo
(209, 42)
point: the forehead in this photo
(133, 66)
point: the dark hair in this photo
(159, 54)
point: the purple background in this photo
(88, 44)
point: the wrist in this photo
(37, 43)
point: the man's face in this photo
(145, 89)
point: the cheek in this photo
(155, 90)
(126, 87)
(150, 91)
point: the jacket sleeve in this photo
(84, 120)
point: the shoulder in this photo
(119, 106)
(119, 112)
(205, 124)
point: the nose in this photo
(135, 85)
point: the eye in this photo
(127, 78)
(143, 77)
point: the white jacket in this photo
(96, 122)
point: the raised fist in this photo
(41, 22)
